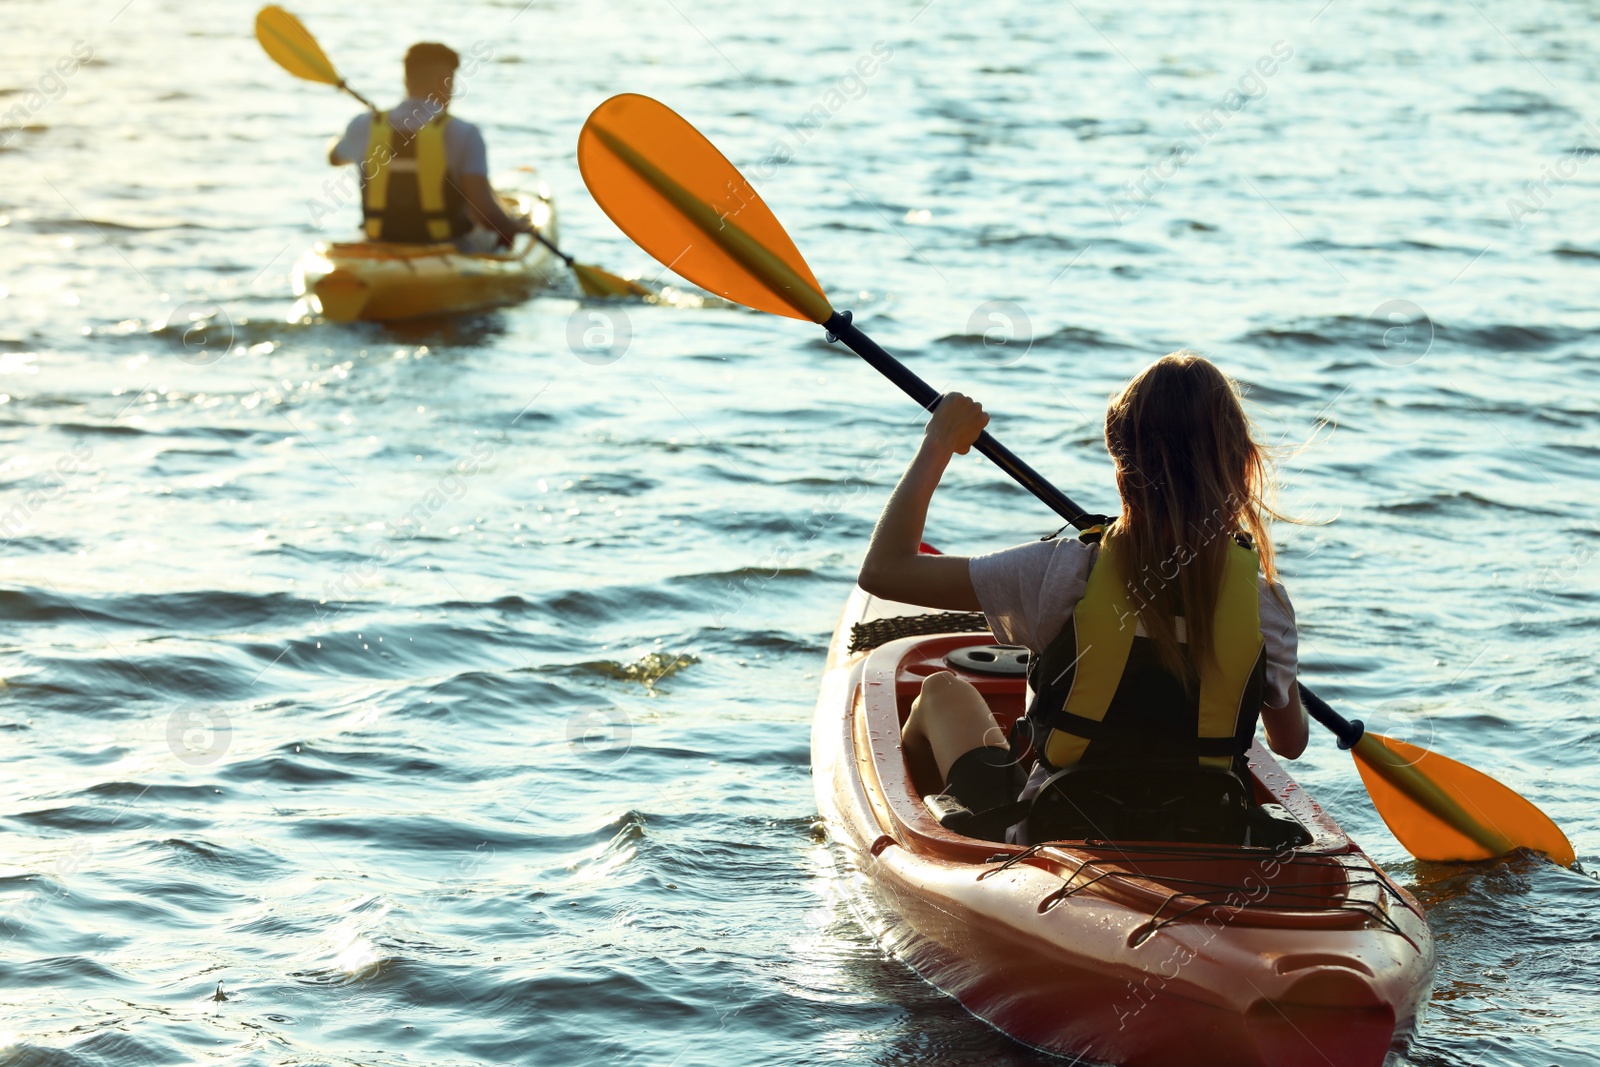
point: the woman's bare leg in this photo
(948, 720)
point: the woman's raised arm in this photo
(894, 567)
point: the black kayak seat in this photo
(1141, 802)
(1134, 802)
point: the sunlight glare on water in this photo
(443, 689)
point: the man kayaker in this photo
(425, 173)
(1157, 642)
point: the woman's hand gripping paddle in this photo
(669, 189)
(286, 39)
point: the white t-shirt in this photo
(1028, 593)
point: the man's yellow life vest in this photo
(1101, 692)
(407, 194)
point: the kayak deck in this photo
(384, 281)
(1137, 953)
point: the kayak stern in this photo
(1108, 952)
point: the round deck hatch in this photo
(989, 659)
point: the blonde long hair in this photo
(1191, 477)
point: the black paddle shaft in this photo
(1348, 731)
(369, 104)
(542, 239)
(840, 328)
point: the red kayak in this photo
(1144, 954)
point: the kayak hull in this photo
(1087, 950)
(383, 281)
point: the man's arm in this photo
(486, 206)
(349, 146)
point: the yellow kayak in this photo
(380, 281)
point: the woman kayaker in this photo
(1158, 641)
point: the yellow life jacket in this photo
(407, 195)
(1094, 667)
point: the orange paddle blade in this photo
(286, 39)
(1443, 811)
(669, 189)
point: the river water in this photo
(444, 691)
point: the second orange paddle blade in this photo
(1427, 836)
